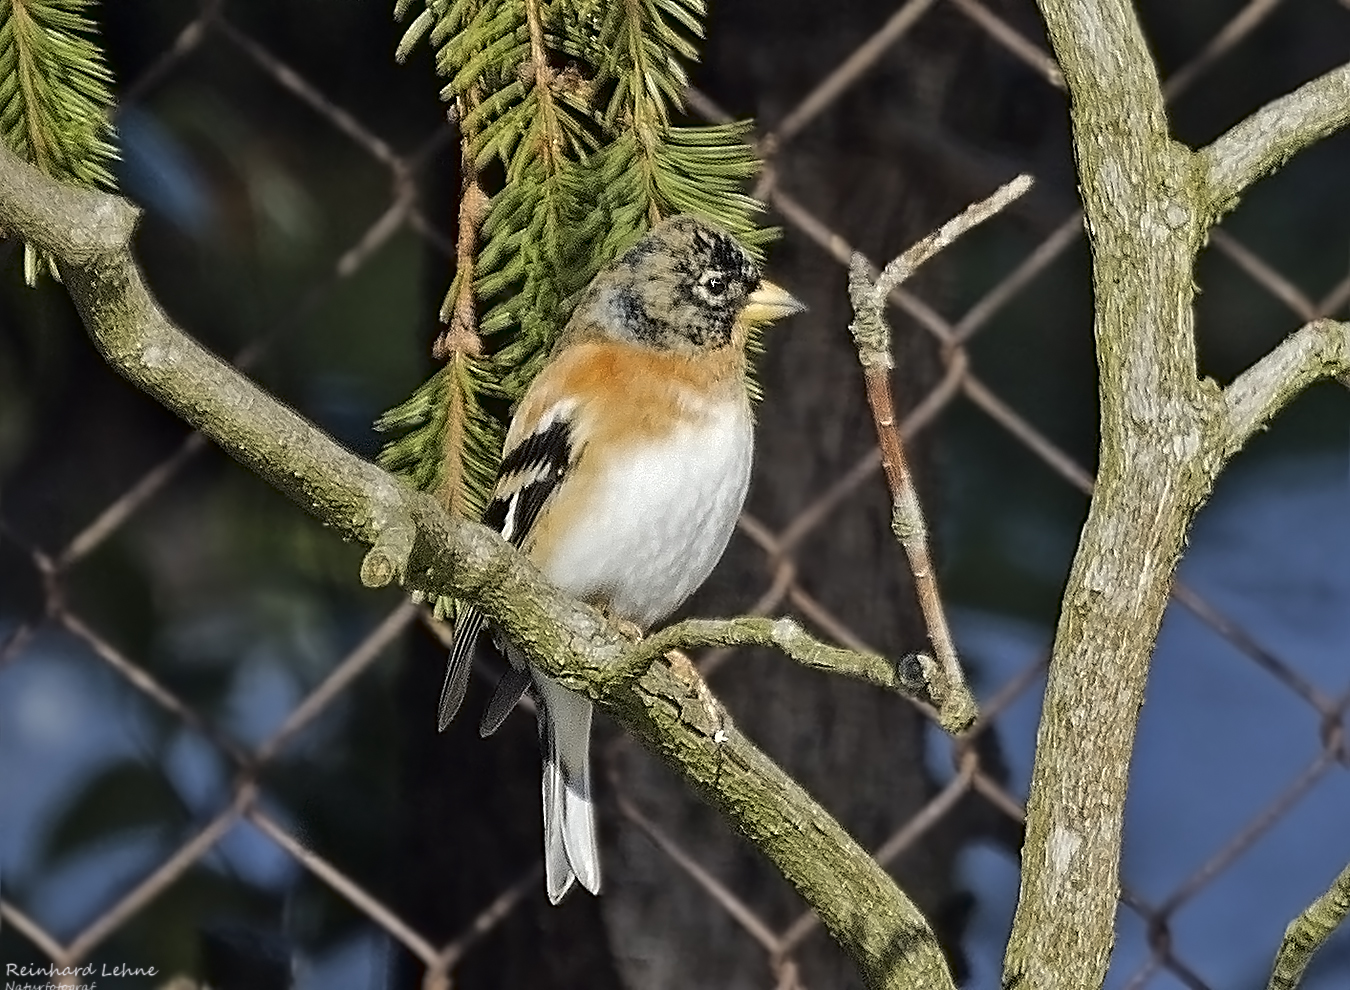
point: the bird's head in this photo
(686, 286)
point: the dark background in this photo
(261, 238)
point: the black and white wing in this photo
(531, 472)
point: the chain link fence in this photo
(214, 35)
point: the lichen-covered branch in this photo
(1166, 433)
(416, 540)
(1144, 229)
(1308, 931)
(1274, 134)
(1316, 351)
(781, 634)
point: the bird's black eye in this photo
(715, 284)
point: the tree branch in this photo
(945, 680)
(1145, 224)
(1308, 931)
(784, 635)
(1316, 351)
(1270, 137)
(1166, 434)
(433, 553)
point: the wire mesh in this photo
(959, 383)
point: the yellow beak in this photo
(768, 303)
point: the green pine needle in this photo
(55, 96)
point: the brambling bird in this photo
(623, 473)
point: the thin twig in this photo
(872, 334)
(900, 270)
(784, 635)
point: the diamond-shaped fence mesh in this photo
(1217, 663)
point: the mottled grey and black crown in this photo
(679, 288)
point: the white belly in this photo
(660, 518)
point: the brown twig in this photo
(956, 705)
(459, 314)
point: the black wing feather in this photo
(458, 666)
(510, 688)
(529, 474)
(538, 464)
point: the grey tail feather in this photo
(571, 851)
(513, 684)
(458, 667)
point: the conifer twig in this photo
(459, 313)
(460, 340)
(872, 335)
(542, 80)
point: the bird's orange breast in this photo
(625, 393)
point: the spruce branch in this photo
(513, 262)
(447, 436)
(639, 52)
(438, 555)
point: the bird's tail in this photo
(457, 668)
(571, 851)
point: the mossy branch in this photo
(1307, 933)
(1270, 137)
(437, 554)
